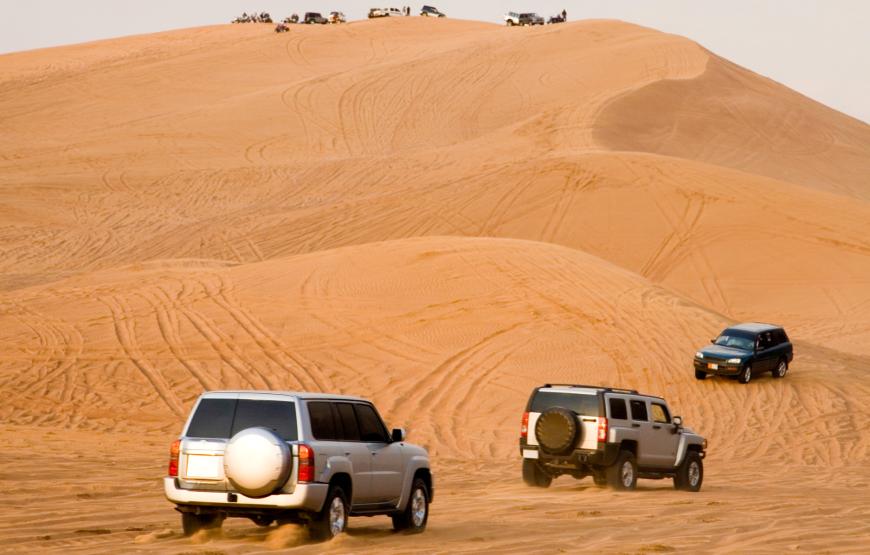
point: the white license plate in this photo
(529, 454)
(713, 366)
(202, 466)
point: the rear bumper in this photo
(723, 370)
(306, 497)
(605, 455)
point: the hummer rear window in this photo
(223, 418)
(580, 404)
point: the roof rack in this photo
(606, 389)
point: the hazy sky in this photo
(819, 48)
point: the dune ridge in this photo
(439, 216)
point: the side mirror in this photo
(713, 341)
(398, 435)
(678, 424)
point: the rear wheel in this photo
(534, 476)
(191, 523)
(622, 475)
(416, 514)
(700, 374)
(691, 473)
(332, 519)
(745, 374)
(781, 369)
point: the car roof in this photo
(754, 327)
(299, 394)
(616, 390)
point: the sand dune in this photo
(437, 215)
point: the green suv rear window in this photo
(581, 404)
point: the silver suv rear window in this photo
(224, 418)
(581, 404)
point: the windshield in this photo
(736, 342)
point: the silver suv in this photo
(305, 458)
(614, 435)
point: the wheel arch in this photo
(629, 445)
(426, 475)
(345, 482)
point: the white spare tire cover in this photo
(257, 462)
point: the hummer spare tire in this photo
(556, 430)
(257, 462)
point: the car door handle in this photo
(657, 427)
(635, 425)
(374, 454)
(347, 454)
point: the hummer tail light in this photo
(524, 430)
(602, 429)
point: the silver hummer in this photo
(307, 458)
(614, 435)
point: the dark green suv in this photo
(745, 351)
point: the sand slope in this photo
(437, 215)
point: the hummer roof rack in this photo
(605, 389)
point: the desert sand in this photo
(438, 216)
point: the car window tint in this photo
(336, 421)
(322, 426)
(618, 410)
(348, 421)
(279, 416)
(370, 426)
(213, 419)
(660, 413)
(586, 405)
(638, 411)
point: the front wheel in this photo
(413, 520)
(781, 369)
(510, 23)
(700, 374)
(332, 519)
(745, 375)
(533, 475)
(622, 475)
(691, 473)
(192, 523)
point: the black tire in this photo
(192, 523)
(745, 375)
(416, 515)
(781, 369)
(533, 475)
(622, 475)
(262, 520)
(332, 519)
(690, 476)
(556, 430)
(510, 22)
(700, 374)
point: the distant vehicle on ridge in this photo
(741, 352)
(384, 12)
(514, 18)
(337, 17)
(313, 17)
(429, 11)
